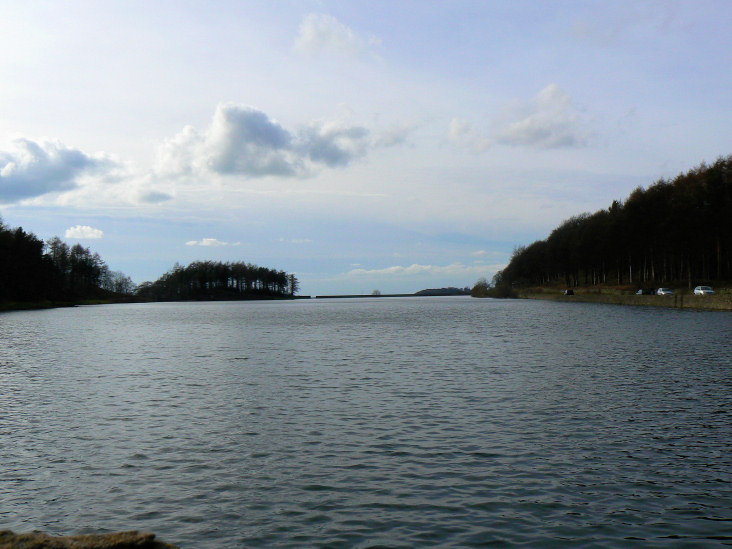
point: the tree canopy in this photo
(206, 280)
(675, 231)
(34, 271)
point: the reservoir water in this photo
(391, 422)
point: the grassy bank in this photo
(721, 301)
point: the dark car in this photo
(569, 292)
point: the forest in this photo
(675, 232)
(209, 280)
(34, 271)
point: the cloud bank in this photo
(463, 134)
(211, 242)
(245, 141)
(296, 240)
(241, 141)
(548, 121)
(322, 33)
(34, 169)
(454, 269)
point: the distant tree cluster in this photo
(205, 280)
(451, 290)
(497, 288)
(676, 231)
(480, 289)
(32, 271)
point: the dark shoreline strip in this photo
(676, 301)
(117, 540)
(363, 295)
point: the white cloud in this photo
(211, 242)
(333, 143)
(296, 240)
(174, 155)
(454, 269)
(153, 197)
(396, 135)
(462, 134)
(548, 121)
(242, 140)
(320, 33)
(38, 168)
(83, 232)
(246, 140)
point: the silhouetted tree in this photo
(480, 289)
(293, 284)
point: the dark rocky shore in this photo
(117, 540)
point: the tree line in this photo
(675, 231)
(32, 270)
(205, 280)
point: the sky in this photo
(390, 145)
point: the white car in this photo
(664, 291)
(703, 290)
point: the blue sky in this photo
(361, 145)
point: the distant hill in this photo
(443, 291)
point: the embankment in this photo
(717, 302)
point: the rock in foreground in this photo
(117, 540)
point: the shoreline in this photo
(717, 302)
(115, 540)
(9, 306)
(42, 305)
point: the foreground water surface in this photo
(413, 422)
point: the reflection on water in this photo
(416, 422)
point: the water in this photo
(416, 422)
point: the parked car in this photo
(569, 292)
(645, 291)
(703, 290)
(664, 291)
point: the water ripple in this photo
(370, 423)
